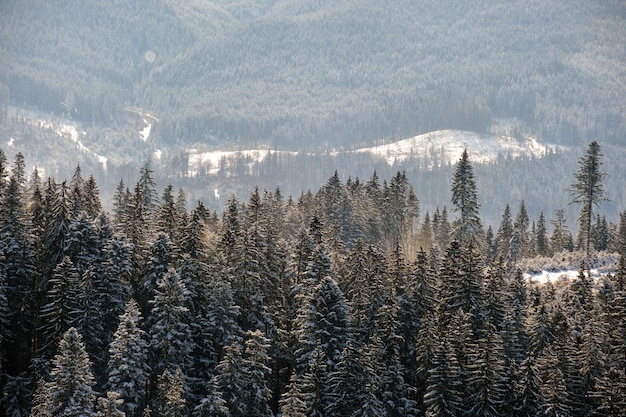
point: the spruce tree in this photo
(64, 307)
(171, 393)
(168, 324)
(71, 381)
(128, 361)
(588, 191)
(468, 228)
(110, 406)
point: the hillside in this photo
(508, 170)
(310, 75)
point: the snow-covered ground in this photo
(210, 161)
(556, 277)
(65, 130)
(440, 147)
(443, 146)
(149, 120)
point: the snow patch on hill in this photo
(212, 161)
(558, 277)
(444, 146)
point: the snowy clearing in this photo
(443, 146)
(556, 277)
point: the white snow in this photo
(211, 160)
(157, 154)
(438, 148)
(445, 146)
(148, 119)
(10, 142)
(557, 276)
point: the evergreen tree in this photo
(231, 378)
(559, 240)
(213, 404)
(292, 402)
(71, 381)
(444, 391)
(110, 406)
(158, 264)
(487, 382)
(468, 228)
(322, 323)
(504, 233)
(443, 230)
(257, 395)
(64, 307)
(588, 191)
(128, 364)
(169, 329)
(543, 245)
(171, 397)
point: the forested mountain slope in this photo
(340, 300)
(308, 75)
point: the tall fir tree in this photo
(468, 227)
(588, 191)
(71, 381)
(128, 361)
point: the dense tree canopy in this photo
(302, 307)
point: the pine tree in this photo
(128, 364)
(315, 384)
(64, 307)
(110, 406)
(444, 391)
(171, 397)
(487, 382)
(504, 233)
(588, 191)
(257, 395)
(168, 324)
(468, 228)
(559, 240)
(213, 404)
(231, 379)
(71, 382)
(322, 323)
(160, 261)
(521, 224)
(292, 403)
(543, 245)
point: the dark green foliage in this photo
(278, 311)
(588, 191)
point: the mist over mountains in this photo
(294, 75)
(164, 79)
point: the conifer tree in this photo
(110, 406)
(160, 261)
(322, 323)
(231, 379)
(292, 402)
(71, 381)
(444, 392)
(64, 307)
(168, 324)
(505, 232)
(559, 240)
(128, 360)
(171, 393)
(213, 404)
(588, 191)
(468, 228)
(257, 395)
(543, 245)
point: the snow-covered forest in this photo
(348, 301)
